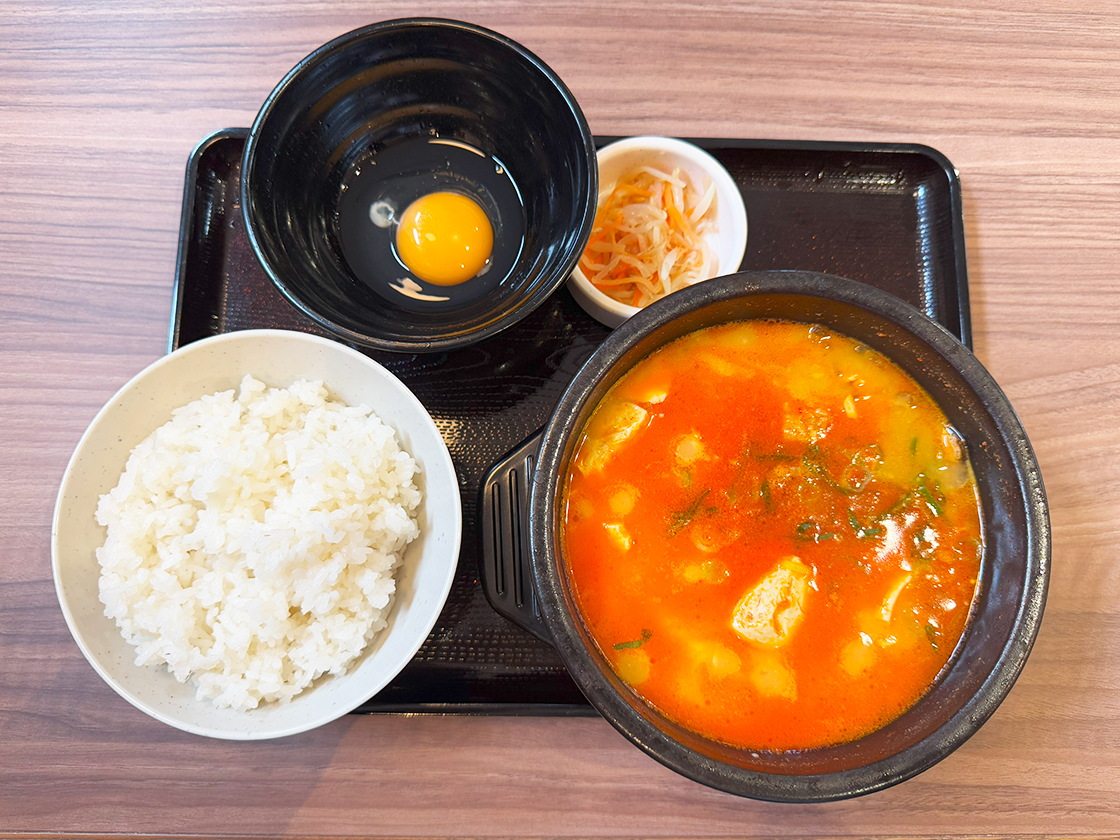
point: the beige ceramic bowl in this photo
(727, 240)
(278, 358)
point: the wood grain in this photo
(100, 105)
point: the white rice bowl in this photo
(252, 539)
(276, 620)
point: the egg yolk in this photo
(444, 238)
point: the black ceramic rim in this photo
(563, 625)
(524, 306)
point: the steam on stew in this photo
(773, 535)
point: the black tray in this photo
(888, 215)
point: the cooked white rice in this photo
(252, 540)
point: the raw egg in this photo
(430, 223)
(445, 238)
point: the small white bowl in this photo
(727, 239)
(278, 358)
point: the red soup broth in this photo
(773, 535)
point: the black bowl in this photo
(1015, 566)
(354, 102)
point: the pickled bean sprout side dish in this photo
(647, 240)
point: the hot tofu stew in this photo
(773, 535)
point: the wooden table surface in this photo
(100, 104)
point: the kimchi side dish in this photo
(773, 535)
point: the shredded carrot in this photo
(647, 240)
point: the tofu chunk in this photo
(771, 677)
(770, 612)
(608, 433)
